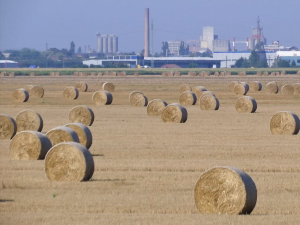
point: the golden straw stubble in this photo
(225, 190)
(156, 107)
(102, 98)
(287, 89)
(70, 93)
(81, 86)
(209, 102)
(83, 132)
(184, 87)
(81, 114)
(272, 88)
(69, 161)
(255, 86)
(29, 120)
(107, 86)
(137, 99)
(20, 95)
(187, 98)
(246, 104)
(29, 145)
(8, 127)
(174, 113)
(37, 91)
(62, 134)
(285, 123)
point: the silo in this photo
(105, 43)
(99, 43)
(115, 44)
(110, 43)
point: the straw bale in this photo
(255, 86)
(29, 120)
(174, 113)
(222, 74)
(76, 74)
(81, 114)
(164, 74)
(69, 161)
(83, 132)
(12, 74)
(192, 74)
(232, 85)
(266, 73)
(28, 88)
(52, 74)
(216, 74)
(287, 89)
(118, 74)
(70, 93)
(285, 123)
(228, 73)
(207, 93)
(20, 95)
(3, 74)
(37, 91)
(101, 83)
(113, 74)
(107, 86)
(201, 74)
(298, 73)
(277, 73)
(225, 190)
(258, 74)
(242, 74)
(93, 74)
(106, 73)
(32, 74)
(177, 74)
(156, 107)
(240, 89)
(136, 74)
(8, 127)
(138, 99)
(29, 145)
(209, 102)
(273, 74)
(206, 73)
(283, 73)
(296, 88)
(83, 74)
(57, 74)
(184, 88)
(246, 104)
(272, 88)
(62, 134)
(102, 98)
(99, 74)
(81, 86)
(279, 85)
(198, 90)
(187, 98)
(246, 85)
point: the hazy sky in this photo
(33, 23)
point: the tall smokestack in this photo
(146, 53)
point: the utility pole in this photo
(152, 52)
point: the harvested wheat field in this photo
(145, 170)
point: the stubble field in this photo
(146, 170)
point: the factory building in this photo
(107, 43)
(289, 56)
(210, 41)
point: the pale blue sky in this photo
(33, 23)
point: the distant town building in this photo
(289, 56)
(8, 64)
(107, 43)
(194, 46)
(210, 41)
(174, 47)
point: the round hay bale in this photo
(107, 86)
(52, 74)
(106, 73)
(83, 74)
(207, 93)
(279, 85)
(8, 127)
(283, 73)
(240, 89)
(287, 89)
(255, 86)
(246, 85)
(216, 74)
(99, 74)
(81, 86)
(228, 73)
(136, 74)
(225, 190)
(192, 74)
(20, 95)
(232, 85)
(296, 88)
(198, 90)
(28, 88)
(81, 114)
(29, 120)
(32, 74)
(93, 74)
(76, 74)
(242, 74)
(3, 74)
(174, 113)
(156, 107)
(70, 93)
(12, 74)
(62, 134)
(206, 73)
(222, 74)
(37, 91)
(265, 74)
(57, 74)
(69, 161)
(29, 145)
(285, 122)
(201, 74)
(209, 102)
(164, 74)
(298, 73)
(83, 132)
(177, 74)
(101, 84)
(277, 73)
(184, 88)
(138, 99)
(272, 88)
(187, 98)
(258, 74)
(113, 74)
(102, 98)
(246, 104)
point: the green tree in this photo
(72, 49)
(2, 56)
(79, 50)
(181, 49)
(193, 65)
(293, 64)
(241, 63)
(165, 48)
